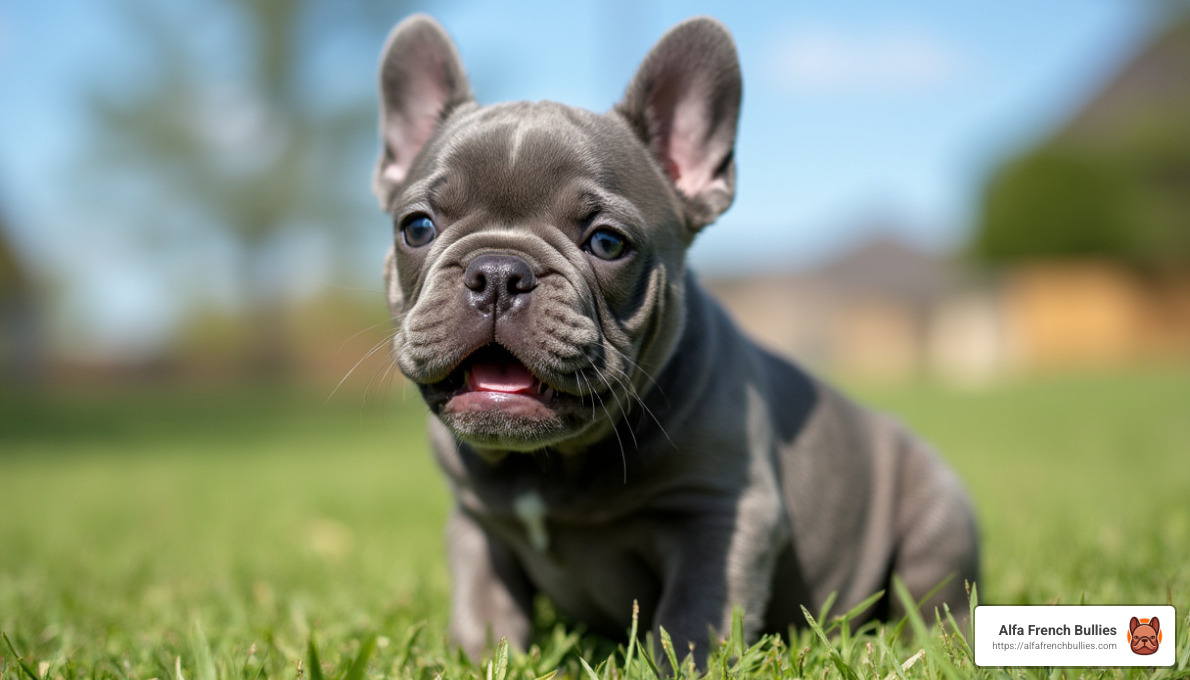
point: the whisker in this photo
(390, 371)
(590, 391)
(359, 333)
(356, 289)
(386, 368)
(623, 412)
(375, 348)
(645, 407)
(628, 360)
(615, 425)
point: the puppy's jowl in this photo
(608, 433)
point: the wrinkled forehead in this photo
(521, 158)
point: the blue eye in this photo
(418, 230)
(606, 245)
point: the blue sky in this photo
(857, 116)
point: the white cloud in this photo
(887, 61)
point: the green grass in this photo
(247, 533)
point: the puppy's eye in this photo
(606, 245)
(418, 230)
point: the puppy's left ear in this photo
(421, 83)
(684, 103)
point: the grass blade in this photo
(958, 633)
(737, 631)
(203, 659)
(313, 664)
(667, 644)
(360, 664)
(587, 667)
(863, 606)
(20, 662)
(845, 670)
(934, 652)
(559, 646)
(646, 653)
(265, 658)
(402, 656)
(632, 636)
(826, 606)
(498, 666)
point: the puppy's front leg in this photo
(489, 593)
(720, 563)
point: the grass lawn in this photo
(153, 533)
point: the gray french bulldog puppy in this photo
(610, 436)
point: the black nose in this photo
(498, 283)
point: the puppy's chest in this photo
(591, 570)
(539, 530)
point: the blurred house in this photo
(19, 343)
(883, 310)
(886, 310)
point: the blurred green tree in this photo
(238, 125)
(1115, 182)
(20, 342)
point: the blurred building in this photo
(883, 310)
(886, 310)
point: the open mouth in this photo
(493, 400)
(494, 369)
(491, 379)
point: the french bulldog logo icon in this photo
(1144, 635)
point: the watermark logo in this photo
(1075, 635)
(1144, 635)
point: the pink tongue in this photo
(503, 377)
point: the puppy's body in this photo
(750, 484)
(610, 436)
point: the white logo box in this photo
(1071, 635)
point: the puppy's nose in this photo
(498, 283)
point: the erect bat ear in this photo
(421, 83)
(684, 103)
(1155, 624)
(1133, 624)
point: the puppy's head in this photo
(536, 272)
(1144, 638)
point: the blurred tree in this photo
(239, 126)
(19, 338)
(1115, 182)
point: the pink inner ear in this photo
(426, 96)
(693, 157)
(394, 173)
(672, 170)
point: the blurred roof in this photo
(888, 266)
(1155, 83)
(882, 267)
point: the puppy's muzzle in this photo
(498, 284)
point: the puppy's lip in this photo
(515, 404)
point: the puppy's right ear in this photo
(421, 83)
